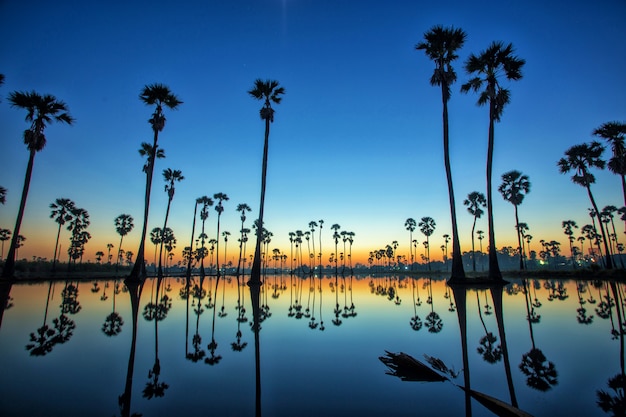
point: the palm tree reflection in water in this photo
(45, 338)
(541, 374)
(154, 388)
(487, 348)
(615, 403)
(433, 321)
(113, 323)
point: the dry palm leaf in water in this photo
(407, 368)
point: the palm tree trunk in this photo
(139, 269)
(217, 248)
(119, 253)
(167, 213)
(240, 250)
(9, 265)
(519, 240)
(56, 247)
(494, 268)
(193, 229)
(457, 260)
(473, 250)
(255, 273)
(607, 256)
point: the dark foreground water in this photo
(550, 348)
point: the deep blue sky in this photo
(357, 138)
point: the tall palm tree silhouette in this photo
(440, 45)
(270, 92)
(614, 133)
(171, 177)
(220, 197)
(199, 200)
(41, 110)
(491, 63)
(474, 202)
(5, 234)
(204, 215)
(427, 227)
(568, 229)
(123, 225)
(61, 212)
(242, 208)
(580, 158)
(410, 224)
(514, 187)
(157, 95)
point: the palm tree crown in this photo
(491, 63)
(269, 92)
(440, 45)
(514, 187)
(41, 110)
(159, 95)
(579, 158)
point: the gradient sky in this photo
(357, 139)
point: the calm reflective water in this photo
(67, 348)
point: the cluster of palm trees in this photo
(486, 70)
(63, 211)
(581, 159)
(441, 45)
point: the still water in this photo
(73, 348)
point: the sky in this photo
(356, 140)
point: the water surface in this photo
(547, 347)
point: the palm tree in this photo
(522, 228)
(474, 202)
(157, 95)
(79, 223)
(335, 227)
(242, 208)
(427, 227)
(5, 234)
(614, 133)
(220, 209)
(441, 45)
(568, 229)
(3, 195)
(204, 215)
(170, 176)
(321, 224)
(225, 234)
(99, 256)
(61, 213)
(491, 63)
(580, 158)
(410, 225)
(269, 92)
(123, 225)
(199, 200)
(109, 247)
(607, 217)
(41, 110)
(155, 238)
(169, 243)
(312, 226)
(513, 189)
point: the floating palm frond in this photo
(407, 368)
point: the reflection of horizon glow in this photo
(376, 314)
